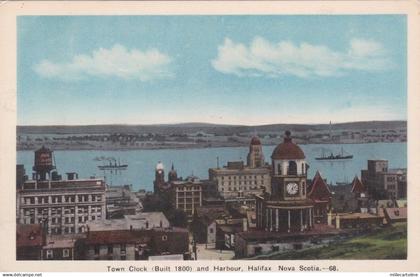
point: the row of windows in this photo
(188, 194)
(58, 219)
(291, 169)
(244, 177)
(50, 254)
(196, 200)
(110, 249)
(185, 188)
(61, 199)
(243, 183)
(240, 188)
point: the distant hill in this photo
(205, 127)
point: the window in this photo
(66, 253)
(211, 231)
(49, 254)
(110, 249)
(164, 238)
(96, 249)
(292, 168)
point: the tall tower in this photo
(288, 180)
(43, 163)
(287, 208)
(159, 177)
(172, 175)
(255, 156)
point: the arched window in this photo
(292, 168)
(279, 169)
(303, 168)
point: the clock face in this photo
(292, 188)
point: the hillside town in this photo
(243, 210)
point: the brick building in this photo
(30, 238)
(384, 183)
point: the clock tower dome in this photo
(287, 208)
(288, 180)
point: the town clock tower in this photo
(287, 208)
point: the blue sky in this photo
(218, 69)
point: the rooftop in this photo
(59, 242)
(396, 213)
(260, 235)
(357, 215)
(64, 184)
(140, 221)
(288, 150)
(29, 235)
(117, 236)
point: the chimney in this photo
(71, 176)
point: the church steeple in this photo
(172, 175)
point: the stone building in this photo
(238, 181)
(187, 195)
(63, 205)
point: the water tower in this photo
(43, 163)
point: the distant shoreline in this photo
(199, 135)
(186, 147)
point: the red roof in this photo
(357, 186)
(117, 236)
(319, 189)
(255, 141)
(288, 150)
(29, 235)
(396, 213)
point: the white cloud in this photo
(117, 61)
(264, 58)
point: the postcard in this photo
(210, 136)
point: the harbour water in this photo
(141, 163)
